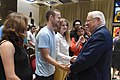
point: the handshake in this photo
(67, 66)
(73, 58)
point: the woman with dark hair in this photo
(78, 41)
(14, 62)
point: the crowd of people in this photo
(83, 53)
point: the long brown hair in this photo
(66, 34)
(15, 27)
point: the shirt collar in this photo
(59, 34)
(97, 28)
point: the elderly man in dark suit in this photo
(94, 60)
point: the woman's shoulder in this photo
(6, 43)
(6, 47)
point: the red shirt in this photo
(74, 48)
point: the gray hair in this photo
(98, 14)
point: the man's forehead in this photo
(77, 23)
(89, 16)
(57, 13)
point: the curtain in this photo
(73, 11)
(42, 12)
(107, 8)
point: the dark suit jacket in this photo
(94, 60)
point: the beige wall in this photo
(26, 7)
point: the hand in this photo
(67, 67)
(82, 39)
(63, 58)
(73, 58)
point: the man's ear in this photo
(51, 17)
(99, 20)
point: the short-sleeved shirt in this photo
(45, 39)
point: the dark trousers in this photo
(44, 78)
(71, 76)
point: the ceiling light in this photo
(31, 0)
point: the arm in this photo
(31, 43)
(58, 52)
(29, 39)
(75, 45)
(50, 60)
(80, 41)
(90, 55)
(44, 48)
(7, 55)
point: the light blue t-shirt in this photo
(45, 39)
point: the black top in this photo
(116, 55)
(22, 66)
(73, 33)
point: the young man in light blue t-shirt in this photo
(45, 48)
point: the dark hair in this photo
(10, 12)
(80, 28)
(32, 26)
(51, 12)
(77, 21)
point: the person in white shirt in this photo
(31, 40)
(62, 49)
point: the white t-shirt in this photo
(30, 37)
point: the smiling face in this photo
(56, 19)
(53, 18)
(77, 25)
(64, 27)
(92, 23)
(94, 20)
(80, 31)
